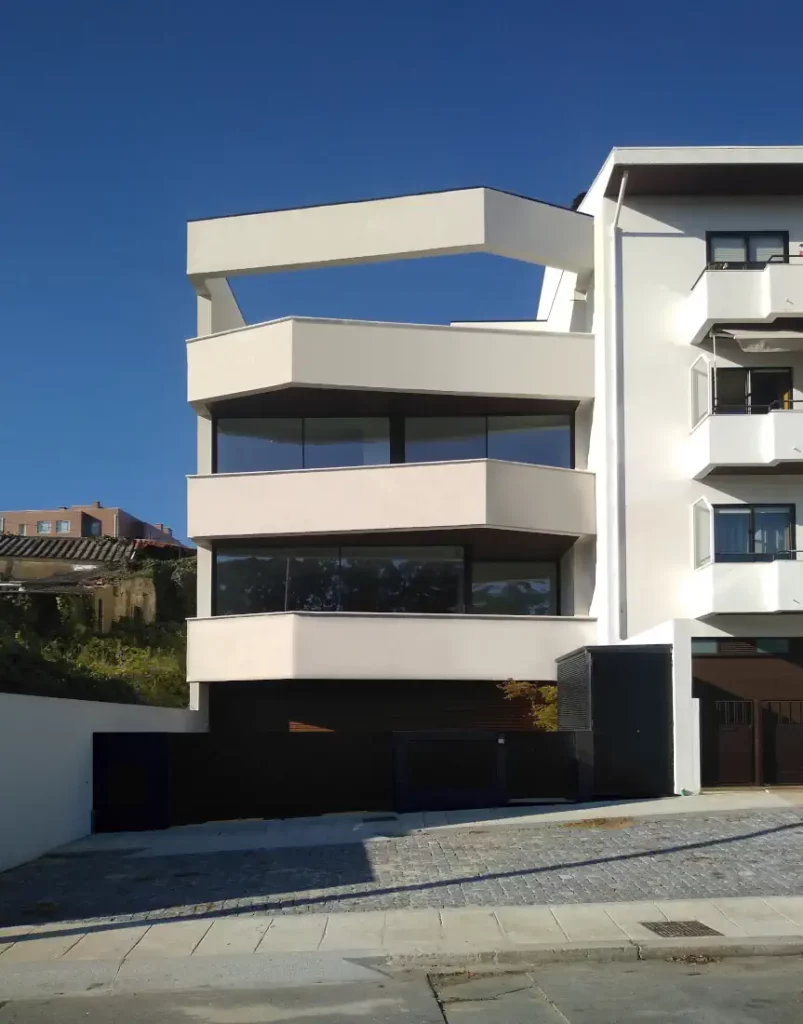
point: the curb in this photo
(42, 980)
(592, 952)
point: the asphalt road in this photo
(765, 990)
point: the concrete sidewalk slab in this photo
(588, 922)
(108, 944)
(756, 917)
(171, 939)
(354, 931)
(233, 935)
(36, 946)
(300, 934)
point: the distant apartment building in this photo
(93, 520)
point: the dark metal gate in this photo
(782, 742)
(752, 742)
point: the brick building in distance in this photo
(93, 520)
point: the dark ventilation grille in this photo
(680, 929)
(574, 692)
(735, 647)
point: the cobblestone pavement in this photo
(740, 854)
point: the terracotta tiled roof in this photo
(73, 549)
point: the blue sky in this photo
(121, 121)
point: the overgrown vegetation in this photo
(542, 698)
(50, 646)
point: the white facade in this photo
(635, 331)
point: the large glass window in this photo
(250, 580)
(541, 440)
(754, 390)
(258, 445)
(340, 441)
(753, 533)
(514, 588)
(444, 438)
(425, 580)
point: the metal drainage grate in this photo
(679, 929)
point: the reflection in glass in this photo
(514, 588)
(540, 440)
(312, 580)
(342, 441)
(258, 445)
(250, 580)
(425, 580)
(444, 438)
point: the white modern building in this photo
(433, 509)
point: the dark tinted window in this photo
(514, 588)
(340, 441)
(541, 440)
(444, 438)
(258, 445)
(426, 580)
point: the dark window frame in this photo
(752, 507)
(746, 235)
(749, 370)
(218, 547)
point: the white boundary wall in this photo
(46, 765)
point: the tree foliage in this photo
(50, 647)
(542, 698)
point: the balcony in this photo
(307, 645)
(769, 441)
(746, 588)
(744, 296)
(306, 353)
(407, 496)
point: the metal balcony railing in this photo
(794, 258)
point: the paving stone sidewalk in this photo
(726, 855)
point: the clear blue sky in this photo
(119, 121)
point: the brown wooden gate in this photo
(782, 742)
(728, 744)
(752, 742)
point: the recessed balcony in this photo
(304, 645)
(744, 294)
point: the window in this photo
(704, 647)
(745, 250)
(444, 438)
(514, 588)
(62, 526)
(700, 390)
(541, 440)
(753, 533)
(340, 441)
(44, 526)
(22, 530)
(752, 390)
(701, 528)
(258, 445)
(92, 528)
(406, 579)
(424, 580)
